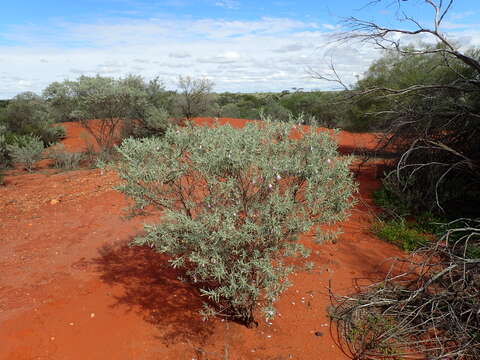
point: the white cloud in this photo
(462, 15)
(228, 4)
(331, 27)
(268, 54)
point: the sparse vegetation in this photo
(63, 159)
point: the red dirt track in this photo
(72, 288)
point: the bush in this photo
(234, 204)
(63, 159)
(28, 114)
(27, 151)
(399, 233)
(154, 123)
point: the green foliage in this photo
(27, 151)
(130, 106)
(194, 98)
(28, 114)
(276, 111)
(390, 201)
(63, 159)
(433, 122)
(234, 202)
(398, 232)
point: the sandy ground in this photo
(72, 288)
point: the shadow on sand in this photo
(151, 288)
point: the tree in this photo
(427, 97)
(431, 117)
(194, 98)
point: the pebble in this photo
(92, 315)
(71, 324)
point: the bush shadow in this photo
(151, 288)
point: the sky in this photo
(241, 45)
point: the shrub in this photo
(63, 159)
(234, 203)
(154, 123)
(27, 151)
(399, 233)
(28, 114)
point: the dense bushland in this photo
(234, 202)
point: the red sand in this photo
(71, 288)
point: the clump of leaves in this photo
(234, 202)
(398, 232)
(27, 151)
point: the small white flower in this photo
(329, 161)
(270, 186)
(278, 177)
(253, 181)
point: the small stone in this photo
(71, 324)
(92, 315)
(54, 201)
(52, 338)
(318, 333)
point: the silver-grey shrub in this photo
(27, 151)
(234, 202)
(63, 159)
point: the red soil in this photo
(71, 288)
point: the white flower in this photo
(329, 161)
(278, 177)
(270, 186)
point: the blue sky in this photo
(242, 45)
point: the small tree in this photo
(234, 203)
(194, 98)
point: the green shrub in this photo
(27, 151)
(234, 202)
(390, 201)
(154, 123)
(63, 159)
(29, 114)
(399, 233)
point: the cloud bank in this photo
(268, 54)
